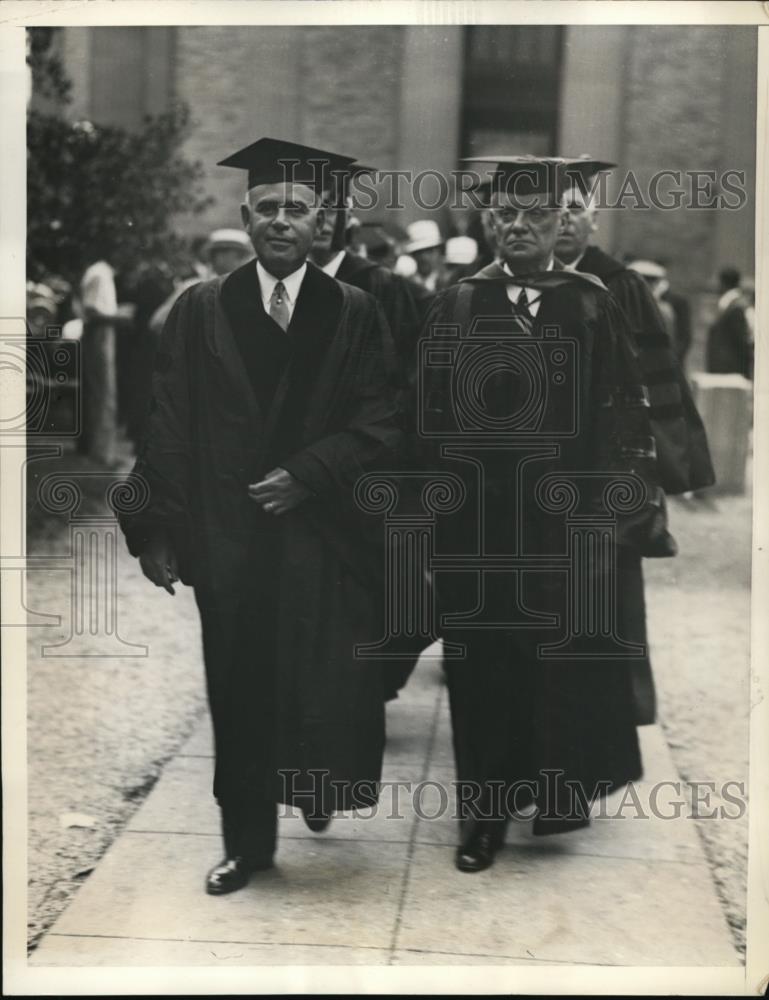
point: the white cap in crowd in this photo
(461, 250)
(423, 235)
(229, 239)
(648, 268)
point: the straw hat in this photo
(423, 235)
(228, 239)
(648, 268)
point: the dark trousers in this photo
(239, 661)
(249, 829)
(527, 731)
(491, 698)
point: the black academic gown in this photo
(395, 296)
(283, 600)
(683, 457)
(517, 716)
(682, 448)
(399, 306)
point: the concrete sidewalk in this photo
(384, 890)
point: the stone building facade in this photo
(404, 97)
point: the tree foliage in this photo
(101, 191)
(49, 78)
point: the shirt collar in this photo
(532, 293)
(334, 264)
(292, 282)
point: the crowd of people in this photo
(282, 366)
(131, 305)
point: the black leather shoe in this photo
(232, 874)
(479, 850)
(317, 822)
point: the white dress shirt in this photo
(534, 295)
(334, 264)
(292, 283)
(97, 289)
(727, 298)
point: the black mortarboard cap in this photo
(583, 170)
(541, 177)
(587, 166)
(273, 161)
(483, 193)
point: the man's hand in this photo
(158, 563)
(278, 492)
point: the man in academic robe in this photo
(531, 396)
(398, 304)
(682, 448)
(330, 253)
(272, 394)
(682, 323)
(683, 457)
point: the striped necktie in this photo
(279, 306)
(522, 306)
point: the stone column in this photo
(591, 105)
(431, 107)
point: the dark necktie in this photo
(279, 306)
(522, 306)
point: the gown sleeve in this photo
(402, 314)
(682, 449)
(622, 440)
(162, 469)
